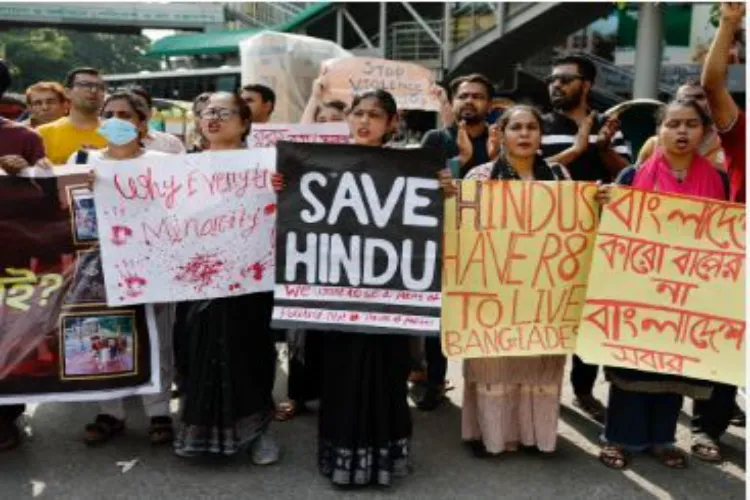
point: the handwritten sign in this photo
(266, 135)
(187, 227)
(515, 263)
(667, 292)
(359, 240)
(58, 340)
(409, 83)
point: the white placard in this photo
(266, 135)
(187, 227)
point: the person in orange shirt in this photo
(85, 89)
(47, 102)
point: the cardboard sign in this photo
(516, 260)
(409, 83)
(667, 288)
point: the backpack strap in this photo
(82, 157)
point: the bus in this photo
(180, 84)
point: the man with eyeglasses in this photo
(47, 103)
(592, 149)
(85, 89)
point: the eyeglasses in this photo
(563, 78)
(222, 114)
(92, 86)
(47, 102)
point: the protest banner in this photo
(359, 236)
(266, 135)
(516, 260)
(667, 292)
(58, 339)
(409, 83)
(187, 227)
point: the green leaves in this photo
(48, 54)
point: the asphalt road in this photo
(53, 463)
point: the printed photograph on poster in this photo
(84, 215)
(87, 287)
(98, 344)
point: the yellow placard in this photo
(667, 287)
(516, 258)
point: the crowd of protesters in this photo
(221, 353)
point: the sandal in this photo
(591, 406)
(671, 457)
(288, 410)
(614, 457)
(104, 428)
(161, 430)
(706, 449)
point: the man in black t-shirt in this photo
(465, 145)
(593, 149)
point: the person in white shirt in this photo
(124, 126)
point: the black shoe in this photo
(477, 449)
(433, 397)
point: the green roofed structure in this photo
(223, 42)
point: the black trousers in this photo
(712, 416)
(583, 377)
(437, 364)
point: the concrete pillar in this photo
(383, 24)
(648, 52)
(340, 26)
(447, 38)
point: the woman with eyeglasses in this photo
(124, 125)
(228, 356)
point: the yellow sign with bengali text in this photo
(516, 258)
(667, 287)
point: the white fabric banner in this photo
(187, 227)
(266, 135)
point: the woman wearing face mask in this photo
(364, 426)
(125, 122)
(512, 402)
(643, 406)
(228, 355)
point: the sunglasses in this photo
(563, 79)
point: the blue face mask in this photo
(118, 132)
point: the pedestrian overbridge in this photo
(116, 17)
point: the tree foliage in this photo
(48, 54)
